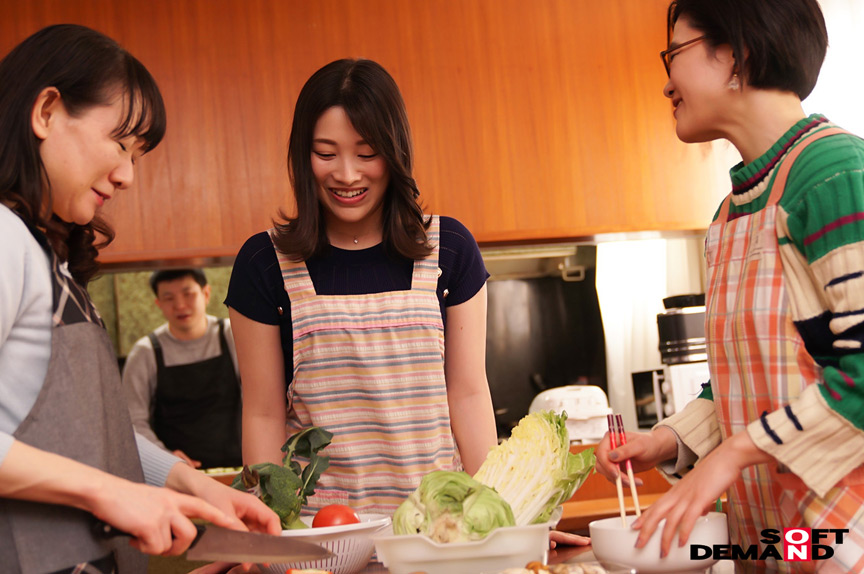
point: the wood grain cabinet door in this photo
(532, 121)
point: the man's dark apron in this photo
(81, 414)
(197, 407)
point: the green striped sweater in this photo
(821, 236)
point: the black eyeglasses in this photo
(666, 55)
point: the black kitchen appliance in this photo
(683, 352)
(681, 329)
(542, 332)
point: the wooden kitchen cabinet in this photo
(533, 121)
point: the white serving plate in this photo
(508, 547)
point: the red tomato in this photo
(335, 515)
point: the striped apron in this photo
(370, 369)
(759, 363)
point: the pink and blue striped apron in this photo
(370, 369)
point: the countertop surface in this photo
(574, 555)
(562, 555)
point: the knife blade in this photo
(222, 544)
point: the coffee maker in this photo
(683, 352)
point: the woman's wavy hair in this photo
(373, 103)
(87, 68)
(777, 44)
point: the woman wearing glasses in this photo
(779, 428)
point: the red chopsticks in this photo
(617, 437)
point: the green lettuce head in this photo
(452, 507)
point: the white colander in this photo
(351, 545)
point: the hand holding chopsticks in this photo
(617, 437)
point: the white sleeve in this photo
(25, 323)
(11, 292)
(697, 431)
(156, 462)
(12, 262)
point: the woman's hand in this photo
(185, 457)
(157, 518)
(644, 450)
(691, 497)
(247, 511)
(557, 537)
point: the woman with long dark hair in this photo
(76, 112)
(780, 427)
(360, 313)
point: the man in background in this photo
(181, 381)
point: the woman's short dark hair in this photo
(87, 68)
(373, 103)
(777, 44)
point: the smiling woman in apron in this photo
(779, 428)
(361, 314)
(76, 111)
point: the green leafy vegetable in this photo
(534, 470)
(452, 507)
(285, 488)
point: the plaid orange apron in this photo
(370, 369)
(758, 363)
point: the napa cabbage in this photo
(534, 470)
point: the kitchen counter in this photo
(574, 555)
(561, 555)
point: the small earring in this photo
(734, 84)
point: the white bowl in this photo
(613, 545)
(351, 545)
(507, 547)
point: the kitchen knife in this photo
(222, 544)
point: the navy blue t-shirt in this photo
(256, 289)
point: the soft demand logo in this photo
(795, 545)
